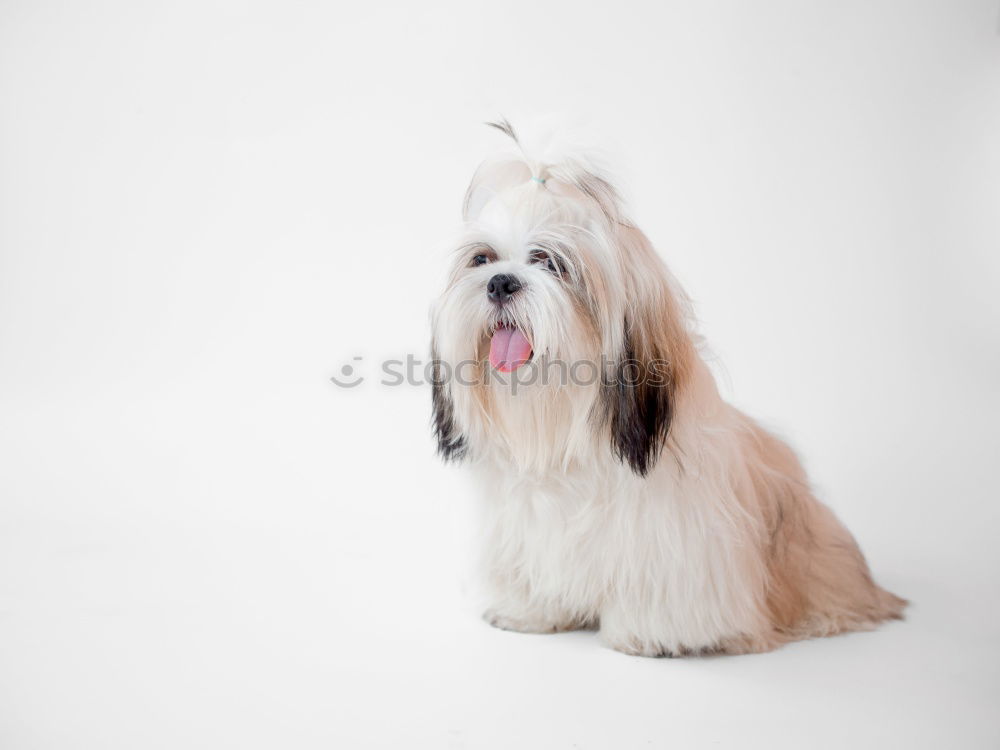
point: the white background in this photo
(206, 209)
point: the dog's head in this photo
(559, 323)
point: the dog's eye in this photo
(552, 265)
(480, 260)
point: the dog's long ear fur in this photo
(451, 443)
(640, 395)
(639, 398)
(638, 403)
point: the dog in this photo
(620, 491)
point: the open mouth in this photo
(509, 348)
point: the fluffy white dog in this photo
(621, 491)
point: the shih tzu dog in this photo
(621, 492)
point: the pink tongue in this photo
(509, 349)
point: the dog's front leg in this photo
(636, 633)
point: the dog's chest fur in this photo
(578, 545)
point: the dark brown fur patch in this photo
(451, 443)
(638, 406)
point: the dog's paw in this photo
(524, 624)
(635, 646)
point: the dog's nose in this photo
(502, 287)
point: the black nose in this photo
(502, 287)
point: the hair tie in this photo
(539, 180)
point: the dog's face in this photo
(529, 280)
(558, 330)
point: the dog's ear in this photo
(638, 398)
(450, 442)
(640, 389)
